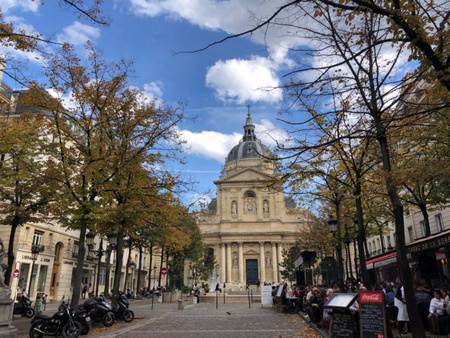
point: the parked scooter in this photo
(23, 307)
(100, 310)
(121, 310)
(196, 293)
(61, 323)
(130, 294)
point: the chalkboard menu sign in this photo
(372, 312)
(343, 324)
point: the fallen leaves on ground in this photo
(100, 328)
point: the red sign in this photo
(371, 297)
(16, 273)
(163, 271)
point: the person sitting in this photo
(295, 292)
(438, 309)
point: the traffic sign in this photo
(163, 271)
(16, 273)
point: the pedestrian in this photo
(84, 290)
(90, 291)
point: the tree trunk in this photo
(405, 271)
(14, 224)
(150, 268)
(108, 270)
(119, 259)
(161, 266)
(426, 219)
(78, 278)
(360, 238)
(139, 271)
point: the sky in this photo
(217, 84)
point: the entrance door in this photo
(55, 270)
(252, 271)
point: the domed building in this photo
(250, 221)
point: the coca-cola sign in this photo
(371, 297)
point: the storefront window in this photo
(42, 278)
(23, 277)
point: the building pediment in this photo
(248, 174)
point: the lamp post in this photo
(335, 229)
(35, 249)
(112, 239)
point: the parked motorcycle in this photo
(100, 310)
(121, 310)
(81, 315)
(61, 323)
(23, 307)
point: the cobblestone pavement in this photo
(199, 320)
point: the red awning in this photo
(370, 262)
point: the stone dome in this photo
(249, 147)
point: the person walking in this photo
(84, 290)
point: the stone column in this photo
(280, 259)
(274, 263)
(229, 262)
(262, 263)
(223, 264)
(241, 263)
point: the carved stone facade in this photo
(251, 221)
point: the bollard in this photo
(180, 304)
(194, 300)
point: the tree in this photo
(23, 40)
(23, 187)
(107, 143)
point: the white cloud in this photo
(210, 144)
(232, 16)
(215, 145)
(26, 5)
(78, 34)
(245, 80)
(154, 90)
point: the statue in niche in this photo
(235, 260)
(3, 266)
(268, 261)
(266, 207)
(233, 208)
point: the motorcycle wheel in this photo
(128, 316)
(85, 328)
(108, 319)
(29, 312)
(33, 333)
(70, 330)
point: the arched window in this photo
(249, 194)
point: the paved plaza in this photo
(199, 320)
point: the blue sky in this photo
(217, 84)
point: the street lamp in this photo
(336, 231)
(112, 239)
(35, 249)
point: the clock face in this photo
(250, 206)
